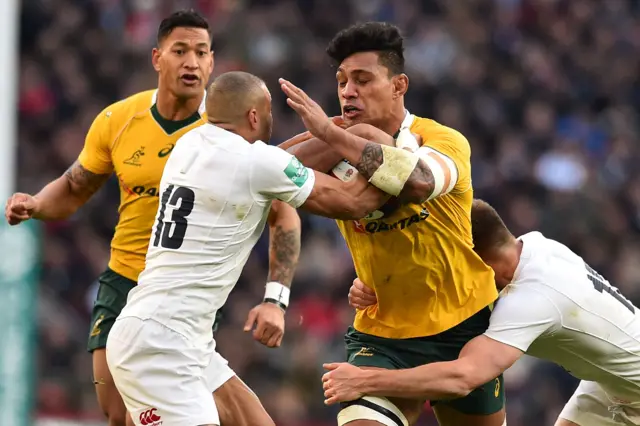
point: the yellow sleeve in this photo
(96, 153)
(455, 146)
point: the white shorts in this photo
(590, 406)
(163, 379)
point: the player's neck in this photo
(175, 109)
(393, 123)
(240, 131)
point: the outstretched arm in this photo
(65, 195)
(481, 360)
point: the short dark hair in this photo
(188, 18)
(380, 37)
(488, 230)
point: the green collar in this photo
(172, 126)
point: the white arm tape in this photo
(276, 291)
(393, 173)
(436, 165)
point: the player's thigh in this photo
(588, 406)
(112, 296)
(371, 352)
(159, 375)
(449, 416)
(239, 406)
(485, 406)
(108, 397)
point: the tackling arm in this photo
(65, 195)
(333, 198)
(481, 360)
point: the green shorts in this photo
(113, 290)
(365, 350)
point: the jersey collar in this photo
(406, 123)
(201, 108)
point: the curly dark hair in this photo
(380, 37)
(182, 19)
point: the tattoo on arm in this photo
(82, 182)
(422, 176)
(370, 159)
(420, 184)
(284, 253)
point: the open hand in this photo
(268, 320)
(341, 383)
(19, 207)
(361, 296)
(312, 115)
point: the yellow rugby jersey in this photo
(131, 139)
(420, 258)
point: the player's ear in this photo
(400, 85)
(254, 119)
(155, 59)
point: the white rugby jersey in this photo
(215, 196)
(559, 309)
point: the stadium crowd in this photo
(546, 91)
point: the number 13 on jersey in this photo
(170, 233)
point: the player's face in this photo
(366, 91)
(184, 61)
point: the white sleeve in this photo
(276, 174)
(520, 316)
(444, 170)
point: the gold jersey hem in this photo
(126, 271)
(365, 324)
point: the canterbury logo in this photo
(150, 418)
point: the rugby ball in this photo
(347, 172)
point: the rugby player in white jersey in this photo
(552, 306)
(216, 192)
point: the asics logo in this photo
(149, 418)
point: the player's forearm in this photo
(368, 156)
(443, 380)
(336, 199)
(284, 245)
(297, 139)
(64, 196)
(56, 201)
(315, 154)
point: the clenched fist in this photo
(20, 207)
(268, 320)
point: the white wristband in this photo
(277, 293)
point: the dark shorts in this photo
(112, 296)
(365, 350)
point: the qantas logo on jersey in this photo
(374, 226)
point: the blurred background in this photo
(546, 91)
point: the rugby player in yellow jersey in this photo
(433, 290)
(133, 139)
